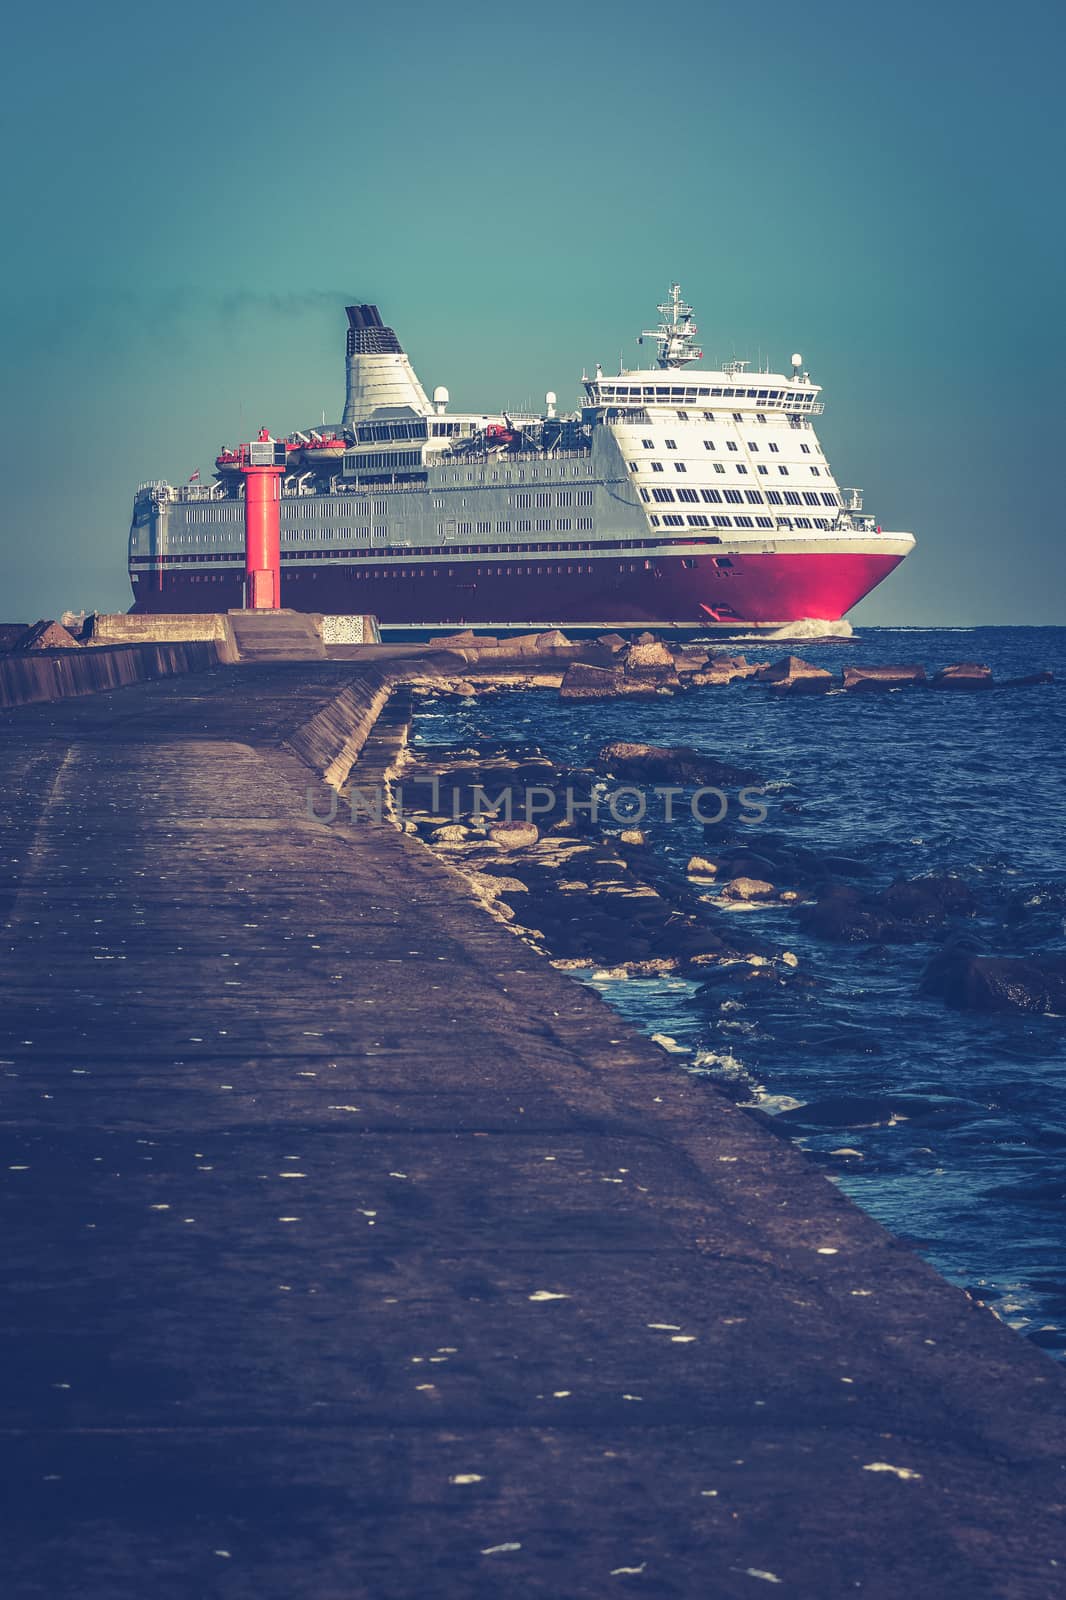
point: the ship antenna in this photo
(675, 336)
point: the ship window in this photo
(792, 498)
(753, 497)
(645, 494)
(699, 522)
(722, 522)
(712, 496)
(776, 449)
(584, 523)
(655, 522)
(708, 444)
(656, 466)
(764, 522)
(773, 496)
(708, 416)
(762, 471)
(687, 494)
(816, 472)
(753, 446)
(671, 444)
(674, 521)
(634, 466)
(738, 416)
(649, 444)
(783, 471)
(742, 470)
(682, 416)
(744, 522)
(731, 446)
(722, 561)
(679, 466)
(562, 524)
(718, 467)
(806, 449)
(734, 497)
(663, 494)
(810, 498)
(543, 525)
(803, 522)
(484, 527)
(820, 522)
(830, 500)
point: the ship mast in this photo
(676, 334)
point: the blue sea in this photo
(955, 1121)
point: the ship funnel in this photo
(379, 375)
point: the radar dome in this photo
(797, 361)
(440, 399)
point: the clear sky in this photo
(193, 192)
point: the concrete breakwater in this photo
(358, 1252)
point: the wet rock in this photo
(633, 836)
(905, 912)
(590, 683)
(1030, 680)
(689, 658)
(700, 867)
(748, 889)
(971, 980)
(863, 680)
(962, 675)
(678, 764)
(792, 670)
(612, 642)
(514, 835)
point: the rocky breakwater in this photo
(550, 850)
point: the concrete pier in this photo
(352, 1252)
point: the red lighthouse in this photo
(262, 467)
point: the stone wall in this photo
(55, 674)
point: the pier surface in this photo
(354, 1253)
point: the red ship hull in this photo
(760, 588)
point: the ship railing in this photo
(852, 499)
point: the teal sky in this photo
(192, 196)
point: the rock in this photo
(747, 889)
(514, 835)
(792, 669)
(46, 635)
(867, 679)
(612, 642)
(646, 638)
(590, 683)
(700, 867)
(651, 763)
(552, 640)
(467, 637)
(451, 833)
(805, 685)
(633, 836)
(641, 656)
(971, 980)
(963, 675)
(905, 912)
(690, 658)
(1029, 681)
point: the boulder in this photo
(552, 640)
(690, 658)
(963, 675)
(969, 979)
(905, 912)
(1029, 681)
(700, 867)
(514, 835)
(590, 683)
(791, 669)
(651, 763)
(639, 657)
(46, 635)
(612, 642)
(450, 833)
(635, 836)
(747, 889)
(807, 684)
(465, 638)
(863, 680)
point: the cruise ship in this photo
(675, 497)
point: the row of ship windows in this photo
(742, 471)
(237, 556)
(514, 474)
(560, 497)
(551, 571)
(521, 525)
(709, 444)
(673, 520)
(737, 497)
